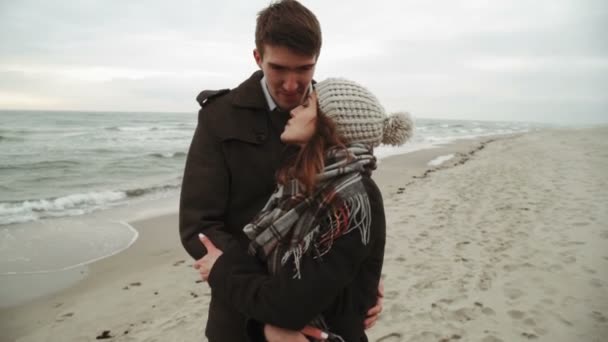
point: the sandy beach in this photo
(506, 241)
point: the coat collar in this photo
(249, 94)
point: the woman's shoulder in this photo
(378, 223)
(371, 188)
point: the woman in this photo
(317, 246)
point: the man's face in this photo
(288, 74)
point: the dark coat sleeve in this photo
(205, 191)
(282, 300)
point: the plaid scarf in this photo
(291, 223)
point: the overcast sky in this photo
(544, 60)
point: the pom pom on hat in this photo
(359, 116)
(398, 128)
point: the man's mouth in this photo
(291, 95)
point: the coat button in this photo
(260, 137)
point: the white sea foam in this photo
(135, 129)
(71, 205)
(168, 154)
(440, 160)
(41, 249)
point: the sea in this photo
(60, 168)
(55, 164)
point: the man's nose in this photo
(290, 84)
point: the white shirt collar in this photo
(271, 104)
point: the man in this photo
(236, 148)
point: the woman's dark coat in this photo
(342, 284)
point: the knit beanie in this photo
(359, 116)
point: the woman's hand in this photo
(205, 264)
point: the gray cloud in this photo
(543, 60)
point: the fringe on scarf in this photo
(354, 213)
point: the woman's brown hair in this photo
(309, 161)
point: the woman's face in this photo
(302, 125)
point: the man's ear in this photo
(258, 57)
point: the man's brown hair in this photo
(289, 24)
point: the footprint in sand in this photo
(488, 311)
(64, 316)
(529, 336)
(555, 268)
(397, 310)
(485, 310)
(569, 301)
(390, 295)
(599, 317)
(589, 270)
(516, 314)
(491, 338)
(568, 259)
(596, 283)
(562, 319)
(513, 294)
(515, 267)
(547, 301)
(462, 315)
(485, 282)
(392, 337)
(424, 336)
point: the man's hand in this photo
(276, 334)
(374, 313)
(205, 264)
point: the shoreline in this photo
(145, 209)
(150, 290)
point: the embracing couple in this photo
(277, 204)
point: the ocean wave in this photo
(46, 164)
(145, 191)
(132, 128)
(440, 160)
(74, 134)
(168, 155)
(70, 205)
(24, 131)
(4, 138)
